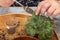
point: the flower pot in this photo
(19, 31)
(26, 38)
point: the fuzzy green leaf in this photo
(39, 25)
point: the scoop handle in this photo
(26, 8)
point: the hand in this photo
(6, 3)
(51, 7)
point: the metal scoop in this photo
(11, 26)
(26, 8)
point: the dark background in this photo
(26, 2)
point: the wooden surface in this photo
(20, 29)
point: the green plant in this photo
(39, 25)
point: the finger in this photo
(51, 10)
(39, 7)
(45, 7)
(6, 3)
(9, 2)
(57, 12)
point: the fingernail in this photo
(51, 17)
(36, 13)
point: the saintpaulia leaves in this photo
(39, 25)
(45, 34)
